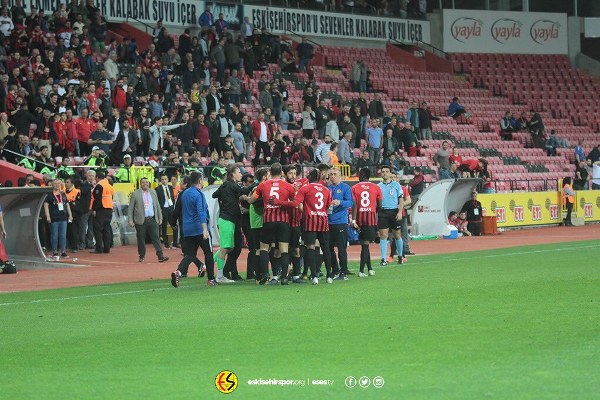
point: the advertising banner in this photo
(505, 32)
(232, 13)
(181, 13)
(324, 24)
(538, 208)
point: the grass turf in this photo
(513, 323)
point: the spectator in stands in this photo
(551, 144)
(261, 138)
(455, 157)
(473, 167)
(306, 53)
(344, 154)
(455, 109)
(206, 19)
(288, 120)
(412, 116)
(308, 122)
(581, 176)
(322, 152)
(594, 155)
(425, 118)
(358, 77)
(391, 147)
(537, 129)
(246, 28)
(347, 126)
(300, 153)
(506, 126)
(451, 173)
(416, 9)
(376, 109)
(365, 162)
(442, 159)
(579, 152)
(322, 117)
(287, 61)
(409, 141)
(374, 140)
(596, 175)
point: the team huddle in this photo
(291, 219)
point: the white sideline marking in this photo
(89, 296)
(519, 253)
(415, 263)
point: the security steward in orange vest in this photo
(568, 199)
(102, 209)
(74, 199)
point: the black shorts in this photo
(368, 233)
(295, 236)
(275, 232)
(310, 238)
(386, 219)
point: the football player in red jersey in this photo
(367, 200)
(314, 200)
(276, 222)
(295, 223)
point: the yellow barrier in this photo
(538, 208)
(344, 169)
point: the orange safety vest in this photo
(107, 194)
(72, 195)
(569, 198)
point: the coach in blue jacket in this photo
(338, 223)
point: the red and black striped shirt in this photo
(315, 199)
(366, 195)
(295, 213)
(279, 189)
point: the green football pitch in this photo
(518, 323)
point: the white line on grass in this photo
(168, 288)
(519, 253)
(88, 296)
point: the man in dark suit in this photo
(125, 143)
(144, 214)
(166, 200)
(213, 101)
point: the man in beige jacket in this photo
(144, 213)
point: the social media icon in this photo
(378, 382)
(350, 381)
(364, 381)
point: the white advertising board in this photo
(469, 31)
(348, 26)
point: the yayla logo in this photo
(543, 30)
(505, 29)
(465, 28)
